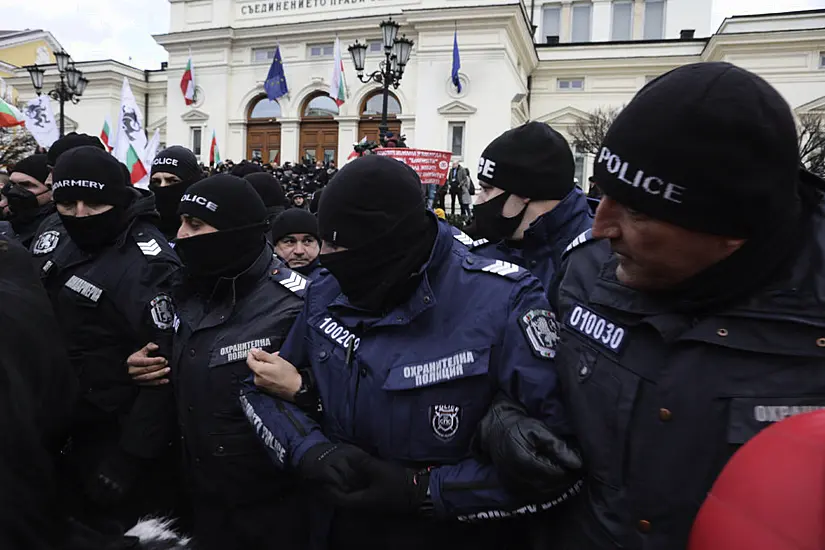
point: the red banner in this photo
(431, 166)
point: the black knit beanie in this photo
(532, 161)
(268, 188)
(70, 141)
(366, 199)
(90, 174)
(35, 166)
(294, 220)
(224, 202)
(709, 147)
(179, 161)
(245, 168)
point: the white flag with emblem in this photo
(149, 156)
(40, 121)
(129, 125)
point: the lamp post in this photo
(71, 86)
(396, 55)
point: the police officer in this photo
(295, 235)
(528, 210)
(236, 296)
(51, 233)
(693, 317)
(109, 286)
(29, 199)
(173, 170)
(270, 191)
(406, 338)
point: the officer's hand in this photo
(385, 486)
(333, 465)
(273, 374)
(145, 370)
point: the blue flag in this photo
(275, 84)
(456, 62)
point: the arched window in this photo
(374, 103)
(320, 106)
(265, 108)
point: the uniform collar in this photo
(230, 289)
(548, 227)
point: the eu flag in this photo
(456, 62)
(275, 84)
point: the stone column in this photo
(290, 139)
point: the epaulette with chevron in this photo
(149, 248)
(496, 267)
(291, 280)
(467, 240)
(578, 241)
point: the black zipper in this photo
(298, 426)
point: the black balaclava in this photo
(90, 174)
(183, 163)
(230, 205)
(270, 191)
(22, 202)
(712, 148)
(375, 208)
(532, 161)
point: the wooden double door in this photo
(319, 140)
(370, 129)
(263, 141)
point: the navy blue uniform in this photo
(110, 304)
(541, 249)
(48, 238)
(410, 387)
(660, 400)
(240, 501)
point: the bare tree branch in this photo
(812, 142)
(15, 144)
(588, 134)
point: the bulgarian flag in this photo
(106, 134)
(187, 82)
(136, 169)
(338, 84)
(214, 154)
(10, 116)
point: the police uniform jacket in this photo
(109, 304)
(215, 330)
(411, 386)
(541, 249)
(47, 239)
(27, 231)
(660, 401)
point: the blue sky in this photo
(123, 29)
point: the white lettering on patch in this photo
(770, 413)
(84, 288)
(339, 334)
(636, 177)
(236, 352)
(595, 327)
(78, 183)
(203, 201)
(439, 370)
(262, 431)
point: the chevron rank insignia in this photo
(496, 267)
(291, 280)
(151, 248)
(578, 241)
(463, 238)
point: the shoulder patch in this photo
(46, 242)
(163, 311)
(291, 280)
(578, 241)
(542, 332)
(149, 248)
(463, 238)
(497, 267)
(479, 242)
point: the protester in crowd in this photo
(174, 170)
(528, 210)
(235, 296)
(29, 199)
(109, 285)
(295, 235)
(394, 454)
(691, 317)
(466, 196)
(299, 201)
(456, 179)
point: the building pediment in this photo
(564, 117)
(456, 108)
(194, 115)
(158, 124)
(817, 105)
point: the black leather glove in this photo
(332, 464)
(113, 479)
(530, 460)
(385, 486)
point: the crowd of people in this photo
(300, 357)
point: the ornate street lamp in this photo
(71, 86)
(396, 55)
